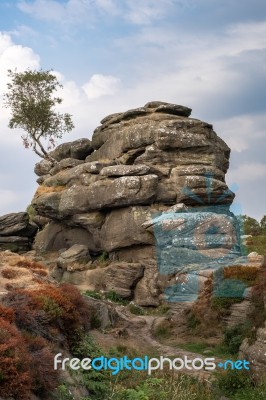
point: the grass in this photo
(160, 310)
(136, 310)
(219, 350)
(257, 243)
(111, 295)
(116, 298)
(222, 304)
(163, 330)
(93, 294)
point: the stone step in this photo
(239, 314)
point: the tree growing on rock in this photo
(31, 98)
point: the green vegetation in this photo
(111, 295)
(116, 298)
(251, 225)
(239, 386)
(219, 350)
(134, 309)
(258, 314)
(164, 387)
(223, 303)
(31, 323)
(93, 294)
(192, 321)
(257, 243)
(137, 385)
(233, 337)
(163, 330)
(103, 257)
(31, 212)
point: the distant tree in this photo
(251, 226)
(263, 224)
(32, 102)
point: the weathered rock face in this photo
(255, 354)
(107, 193)
(16, 232)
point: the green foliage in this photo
(31, 212)
(163, 330)
(251, 393)
(95, 320)
(51, 307)
(218, 350)
(62, 393)
(251, 226)
(233, 381)
(93, 294)
(258, 244)
(162, 309)
(263, 225)
(134, 309)
(96, 382)
(103, 257)
(222, 304)
(32, 102)
(9, 246)
(233, 337)
(192, 321)
(111, 295)
(116, 298)
(164, 387)
(258, 314)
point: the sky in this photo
(113, 55)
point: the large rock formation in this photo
(148, 163)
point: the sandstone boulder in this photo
(119, 196)
(123, 228)
(79, 149)
(56, 236)
(124, 191)
(123, 277)
(76, 258)
(255, 354)
(16, 232)
(16, 224)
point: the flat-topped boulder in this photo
(16, 231)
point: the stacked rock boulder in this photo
(16, 232)
(105, 193)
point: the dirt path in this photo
(137, 332)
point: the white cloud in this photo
(248, 172)
(240, 132)
(44, 9)
(14, 56)
(72, 11)
(23, 31)
(101, 85)
(142, 12)
(109, 6)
